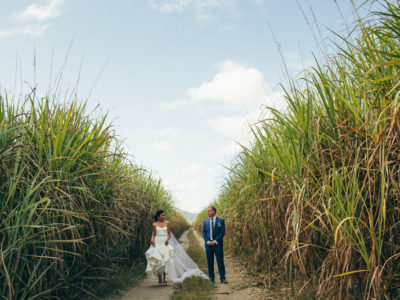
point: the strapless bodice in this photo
(161, 231)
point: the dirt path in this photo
(241, 285)
(148, 289)
(183, 240)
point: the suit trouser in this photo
(218, 250)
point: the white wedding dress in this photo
(171, 259)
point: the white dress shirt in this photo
(214, 219)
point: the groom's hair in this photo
(213, 208)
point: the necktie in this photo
(212, 227)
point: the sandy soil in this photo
(148, 289)
(241, 285)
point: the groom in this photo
(213, 234)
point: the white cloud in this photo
(34, 30)
(237, 127)
(226, 28)
(174, 104)
(191, 195)
(180, 188)
(161, 146)
(197, 169)
(228, 149)
(234, 84)
(37, 12)
(204, 10)
(170, 6)
(169, 132)
(239, 89)
(32, 18)
(234, 127)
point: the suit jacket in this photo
(218, 230)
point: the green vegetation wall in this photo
(178, 223)
(317, 194)
(198, 222)
(73, 207)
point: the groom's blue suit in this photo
(218, 249)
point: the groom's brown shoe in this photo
(224, 281)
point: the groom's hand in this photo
(209, 243)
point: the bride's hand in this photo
(166, 243)
(153, 242)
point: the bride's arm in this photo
(169, 234)
(153, 240)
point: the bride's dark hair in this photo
(157, 215)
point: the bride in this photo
(165, 257)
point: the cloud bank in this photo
(36, 12)
(234, 84)
(31, 19)
(241, 91)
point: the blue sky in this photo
(180, 78)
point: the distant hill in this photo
(188, 215)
